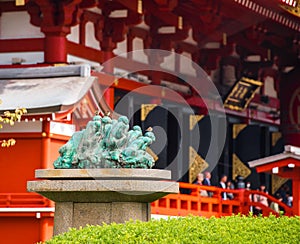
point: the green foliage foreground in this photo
(234, 229)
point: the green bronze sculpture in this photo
(107, 143)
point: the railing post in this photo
(244, 200)
(219, 195)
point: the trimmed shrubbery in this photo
(233, 229)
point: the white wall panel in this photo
(17, 25)
(29, 57)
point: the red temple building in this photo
(65, 60)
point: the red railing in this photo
(175, 204)
(266, 210)
(193, 203)
(23, 200)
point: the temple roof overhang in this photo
(286, 164)
(48, 90)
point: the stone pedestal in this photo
(97, 196)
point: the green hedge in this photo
(234, 229)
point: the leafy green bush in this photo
(234, 229)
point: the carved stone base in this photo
(76, 214)
(97, 196)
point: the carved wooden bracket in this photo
(111, 30)
(55, 16)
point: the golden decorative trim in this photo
(149, 150)
(232, 107)
(232, 99)
(20, 2)
(277, 182)
(194, 119)
(292, 10)
(251, 81)
(197, 164)
(116, 82)
(224, 39)
(140, 6)
(239, 92)
(275, 137)
(236, 129)
(239, 168)
(180, 22)
(146, 109)
(244, 83)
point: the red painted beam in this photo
(278, 163)
(85, 52)
(291, 173)
(272, 101)
(247, 114)
(22, 45)
(14, 66)
(133, 86)
(130, 85)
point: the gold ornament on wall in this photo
(241, 94)
(293, 8)
(20, 2)
(277, 182)
(146, 109)
(275, 137)
(239, 168)
(236, 129)
(180, 22)
(197, 164)
(194, 119)
(140, 6)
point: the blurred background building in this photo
(57, 59)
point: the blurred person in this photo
(206, 182)
(261, 199)
(283, 191)
(248, 188)
(230, 186)
(289, 199)
(200, 178)
(222, 184)
(275, 205)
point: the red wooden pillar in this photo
(55, 18)
(55, 48)
(296, 195)
(46, 227)
(294, 175)
(109, 94)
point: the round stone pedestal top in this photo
(107, 173)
